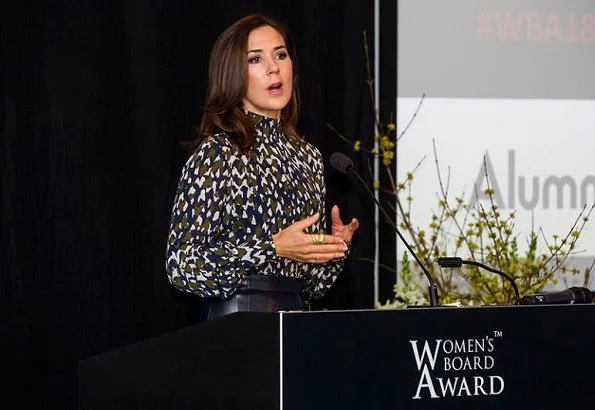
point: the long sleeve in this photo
(323, 275)
(204, 257)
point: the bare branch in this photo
(423, 96)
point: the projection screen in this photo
(511, 81)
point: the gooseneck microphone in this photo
(571, 296)
(456, 262)
(344, 164)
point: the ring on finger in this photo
(317, 238)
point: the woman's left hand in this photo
(344, 232)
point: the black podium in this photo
(529, 357)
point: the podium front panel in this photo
(439, 358)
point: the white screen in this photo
(510, 79)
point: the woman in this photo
(247, 227)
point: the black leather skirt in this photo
(258, 293)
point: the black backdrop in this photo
(96, 97)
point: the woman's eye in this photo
(254, 60)
(282, 56)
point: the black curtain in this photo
(96, 97)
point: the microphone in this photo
(456, 262)
(344, 165)
(341, 163)
(571, 296)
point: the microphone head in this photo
(450, 262)
(573, 295)
(581, 295)
(341, 162)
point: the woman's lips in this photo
(275, 89)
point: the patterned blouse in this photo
(229, 204)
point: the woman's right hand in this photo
(293, 243)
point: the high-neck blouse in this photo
(229, 204)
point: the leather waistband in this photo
(258, 293)
(272, 283)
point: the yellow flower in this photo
(386, 144)
(376, 184)
(391, 126)
(357, 145)
(387, 157)
(384, 141)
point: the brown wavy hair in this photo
(228, 84)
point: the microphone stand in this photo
(456, 262)
(432, 289)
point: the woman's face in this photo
(270, 73)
